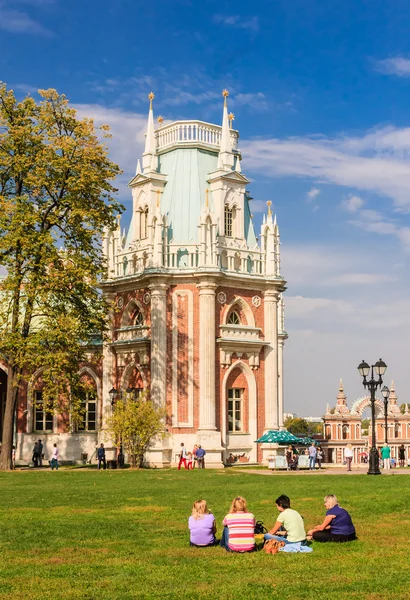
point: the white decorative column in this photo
(158, 342)
(161, 453)
(271, 367)
(207, 435)
(108, 382)
(271, 359)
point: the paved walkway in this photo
(362, 470)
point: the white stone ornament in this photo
(120, 302)
(256, 301)
(221, 297)
(147, 298)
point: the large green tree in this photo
(56, 200)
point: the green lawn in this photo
(112, 535)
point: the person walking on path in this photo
(200, 454)
(40, 453)
(54, 458)
(385, 452)
(349, 456)
(101, 457)
(194, 458)
(319, 456)
(402, 455)
(182, 457)
(312, 457)
(35, 455)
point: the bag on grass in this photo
(273, 546)
(260, 528)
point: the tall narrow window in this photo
(144, 223)
(228, 222)
(137, 318)
(235, 409)
(43, 419)
(88, 412)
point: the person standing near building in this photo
(54, 458)
(385, 452)
(194, 458)
(40, 453)
(349, 456)
(312, 457)
(200, 454)
(319, 456)
(35, 454)
(402, 455)
(101, 457)
(182, 457)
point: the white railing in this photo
(185, 133)
(240, 332)
(125, 334)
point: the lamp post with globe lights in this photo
(385, 394)
(377, 370)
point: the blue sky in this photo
(320, 95)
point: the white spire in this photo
(226, 157)
(149, 159)
(138, 170)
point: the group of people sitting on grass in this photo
(239, 526)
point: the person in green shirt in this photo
(385, 452)
(289, 526)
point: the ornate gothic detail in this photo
(147, 298)
(221, 297)
(120, 302)
(256, 301)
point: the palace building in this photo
(198, 315)
(343, 425)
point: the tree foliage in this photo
(56, 200)
(135, 425)
(296, 425)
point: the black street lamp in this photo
(385, 394)
(372, 384)
(113, 394)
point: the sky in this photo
(320, 95)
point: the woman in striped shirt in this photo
(239, 528)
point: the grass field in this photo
(112, 535)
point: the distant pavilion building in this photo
(343, 426)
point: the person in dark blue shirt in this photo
(101, 457)
(200, 455)
(337, 526)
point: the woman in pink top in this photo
(202, 526)
(239, 528)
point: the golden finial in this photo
(269, 202)
(251, 216)
(160, 120)
(151, 97)
(225, 94)
(231, 118)
(206, 198)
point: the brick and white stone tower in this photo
(198, 319)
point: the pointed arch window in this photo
(138, 318)
(234, 318)
(235, 410)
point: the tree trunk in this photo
(7, 441)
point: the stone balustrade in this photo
(125, 334)
(186, 133)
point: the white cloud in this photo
(378, 162)
(352, 204)
(313, 193)
(127, 142)
(17, 21)
(258, 206)
(394, 66)
(238, 22)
